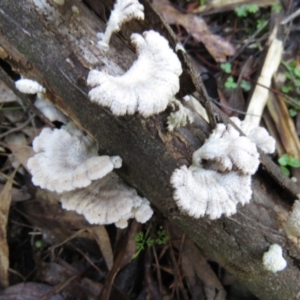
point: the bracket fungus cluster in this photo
(108, 200)
(124, 11)
(273, 260)
(66, 161)
(147, 87)
(258, 135)
(219, 177)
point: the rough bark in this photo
(56, 47)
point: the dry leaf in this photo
(218, 47)
(22, 153)
(17, 194)
(5, 200)
(60, 273)
(101, 236)
(28, 291)
(6, 94)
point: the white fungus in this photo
(228, 151)
(49, 110)
(66, 159)
(200, 191)
(106, 201)
(147, 87)
(258, 135)
(292, 226)
(124, 11)
(273, 260)
(28, 86)
(179, 118)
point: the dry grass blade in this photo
(260, 95)
(285, 126)
(101, 236)
(5, 200)
(22, 153)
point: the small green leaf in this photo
(293, 162)
(287, 88)
(241, 11)
(287, 65)
(297, 72)
(226, 67)
(283, 160)
(261, 23)
(288, 74)
(230, 84)
(276, 7)
(246, 85)
(139, 237)
(297, 82)
(293, 112)
(285, 170)
(252, 8)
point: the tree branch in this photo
(56, 47)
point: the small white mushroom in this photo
(179, 118)
(124, 11)
(28, 86)
(49, 110)
(65, 161)
(292, 226)
(200, 191)
(258, 135)
(228, 151)
(147, 87)
(273, 260)
(106, 201)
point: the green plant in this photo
(276, 7)
(226, 67)
(261, 24)
(245, 85)
(243, 10)
(286, 161)
(230, 83)
(142, 240)
(292, 83)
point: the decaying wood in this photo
(56, 46)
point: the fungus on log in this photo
(147, 87)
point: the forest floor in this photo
(239, 50)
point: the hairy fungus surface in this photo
(28, 86)
(224, 182)
(147, 87)
(124, 11)
(228, 151)
(106, 201)
(273, 260)
(256, 134)
(179, 118)
(66, 159)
